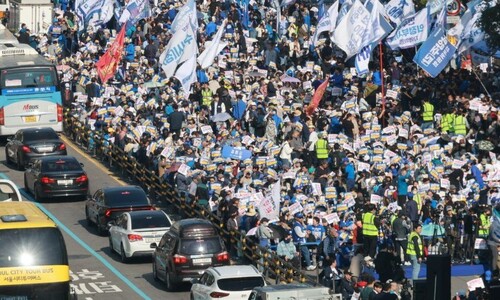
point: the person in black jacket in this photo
(175, 120)
(347, 285)
(386, 263)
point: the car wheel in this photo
(169, 282)
(111, 244)
(100, 229)
(7, 159)
(20, 164)
(87, 217)
(38, 197)
(155, 273)
(26, 188)
(123, 256)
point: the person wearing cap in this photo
(427, 115)
(415, 250)
(370, 231)
(347, 285)
(286, 250)
(300, 235)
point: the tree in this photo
(490, 24)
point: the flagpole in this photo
(382, 76)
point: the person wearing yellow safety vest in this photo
(427, 115)
(321, 147)
(206, 95)
(415, 250)
(447, 122)
(460, 124)
(485, 223)
(370, 231)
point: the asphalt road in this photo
(96, 272)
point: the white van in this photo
(293, 291)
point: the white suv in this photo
(233, 282)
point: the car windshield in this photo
(61, 165)
(126, 197)
(204, 246)
(38, 246)
(149, 221)
(240, 284)
(39, 135)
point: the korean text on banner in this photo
(181, 46)
(412, 31)
(352, 29)
(93, 12)
(397, 10)
(435, 53)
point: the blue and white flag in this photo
(180, 48)
(187, 14)
(344, 9)
(435, 53)
(187, 74)
(436, 6)
(327, 23)
(379, 25)
(213, 48)
(397, 10)
(352, 29)
(134, 11)
(93, 12)
(363, 59)
(412, 31)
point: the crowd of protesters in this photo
(385, 155)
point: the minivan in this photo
(186, 251)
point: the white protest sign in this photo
(183, 169)
(475, 283)
(480, 244)
(332, 218)
(206, 129)
(375, 199)
(457, 164)
(295, 208)
(316, 187)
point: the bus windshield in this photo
(28, 77)
(32, 247)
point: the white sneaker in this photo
(407, 263)
(311, 267)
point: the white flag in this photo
(437, 5)
(93, 12)
(181, 46)
(328, 22)
(212, 49)
(379, 25)
(363, 59)
(270, 206)
(344, 8)
(135, 10)
(187, 74)
(186, 14)
(412, 31)
(352, 28)
(397, 10)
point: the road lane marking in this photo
(83, 244)
(91, 159)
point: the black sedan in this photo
(56, 176)
(108, 203)
(31, 143)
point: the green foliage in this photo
(490, 24)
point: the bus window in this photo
(17, 78)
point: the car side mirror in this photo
(153, 246)
(195, 280)
(111, 223)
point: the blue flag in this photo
(435, 53)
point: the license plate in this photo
(44, 149)
(64, 182)
(202, 260)
(30, 119)
(151, 240)
(13, 297)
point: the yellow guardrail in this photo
(116, 158)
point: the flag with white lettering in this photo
(397, 10)
(363, 59)
(213, 48)
(181, 46)
(93, 12)
(187, 74)
(412, 31)
(436, 6)
(134, 11)
(344, 9)
(472, 32)
(187, 14)
(380, 26)
(328, 22)
(351, 30)
(435, 53)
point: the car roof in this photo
(194, 228)
(56, 157)
(145, 213)
(235, 271)
(114, 189)
(36, 129)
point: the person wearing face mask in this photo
(286, 250)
